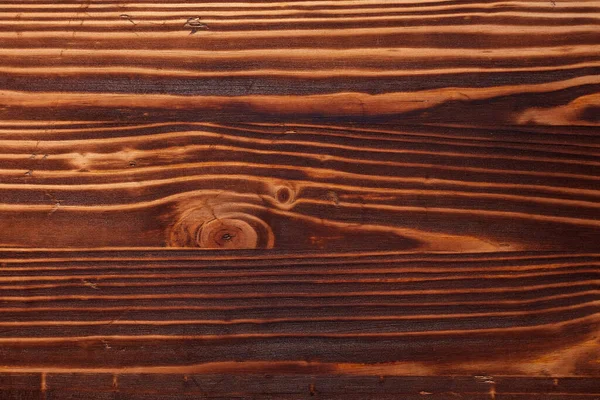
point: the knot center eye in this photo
(227, 237)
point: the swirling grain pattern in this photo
(298, 186)
(336, 199)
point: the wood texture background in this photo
(374, 199)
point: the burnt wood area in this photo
(306, 199)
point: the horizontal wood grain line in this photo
(532, 138)
(409, 305)
(152, 8)
(485, 29)
(280, 328)
(19, 256)
(592, 306)
(185, 156)
(238, 153)
(30, 259)
(313, 293)
(331, 105)
(152, 269)
(245, 8)
(54, 141)
(55, 144)
(341, 272)
(220, 309)
(269, 82)
(375, 58)
(434, 132)
(141, 21)
(289, 7)
(234, 22)
(252, 25)
(213, 15)
(56, 157)
(57, 136)
(322, 275)
(301, 3)
(306, 307)
(310, 315)
(190, 83)
(114, 172)
(48, 340)
(441, 36)
(309, 285)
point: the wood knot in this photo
(227, 234)
(203, 228)
(284, 195)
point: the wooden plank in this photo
(461, 62)
(299, 187)
(163, 311)
(299, 199)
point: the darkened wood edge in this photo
(287, 384)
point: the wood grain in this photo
(298, 187)
(458, 62)
(357, 308)
(299, 199)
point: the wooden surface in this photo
(299, 199)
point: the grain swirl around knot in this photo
(206, 228)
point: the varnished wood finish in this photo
(302, 199)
